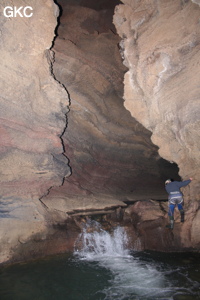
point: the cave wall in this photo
(160, 47)
(33, 109)
(111, 154)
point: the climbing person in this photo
(175, 198)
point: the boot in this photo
(171, 225)
(182, 215)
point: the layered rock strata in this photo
(33, 109)
(148, 231)
(161, 48)
(111, 155)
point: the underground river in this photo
(102, 268)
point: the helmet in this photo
(168, 181)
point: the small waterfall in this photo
(131, 277)
(97, 242)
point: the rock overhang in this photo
(112, 158)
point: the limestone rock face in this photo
(111, 154)
(161, 48)
(32, 115)
(148, 230)
(112, 159)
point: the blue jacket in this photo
(175, 186)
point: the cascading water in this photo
(102, 268)
(132, 278)
(98, 243)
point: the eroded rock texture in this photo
(160, 46)
(111, 155)
(149, 231)
(32, 115)
(112, 158)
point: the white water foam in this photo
(131, 277)
(98, 243)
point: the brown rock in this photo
(160, 45)
(110, 153)
(32, 117)
(146, 226)
(112, 158)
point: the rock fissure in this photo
(33, 107)
(73, 144)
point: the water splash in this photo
(98, 243)
(130, 277)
